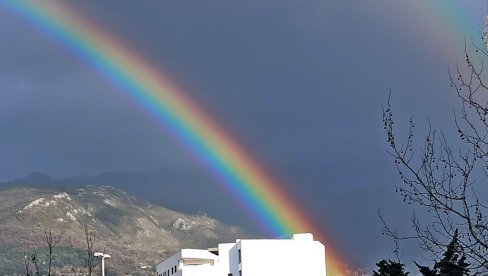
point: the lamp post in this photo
(103, 256)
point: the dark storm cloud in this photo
(55, 108)
(299, 83)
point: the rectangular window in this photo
(239, 255)
(240, 273)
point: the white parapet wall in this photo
(189, 262)
(300, 255)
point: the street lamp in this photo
(103, 256)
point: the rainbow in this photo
(134, 77)
(447, 24)
(131, 75)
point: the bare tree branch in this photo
(444, 180)
(90, 261)
(51, 241)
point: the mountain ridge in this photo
(138, 234)
(162, 186)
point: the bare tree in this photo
(90, 261)
(27, 262)
(449, 182)
(34, 261)
(51, 241)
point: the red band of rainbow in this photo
(132, 76)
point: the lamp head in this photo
(101, 255)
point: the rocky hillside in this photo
(135, 233)
(202, 192)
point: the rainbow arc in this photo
(132, 76)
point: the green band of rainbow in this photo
(131, 75)
(445, 25)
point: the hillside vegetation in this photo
(136, 233)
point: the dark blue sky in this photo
(299, 84)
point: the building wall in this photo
(298, 256)
(166, 265)
(189, 262)
(291, 257)
(224, 260)
(200, 270)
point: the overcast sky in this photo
(299, 84)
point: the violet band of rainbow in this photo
(133, 77)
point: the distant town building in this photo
(300, 255)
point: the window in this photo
(239, 255)
(240, 273)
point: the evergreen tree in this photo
(426, 271)
(390, 268)
(453, 262)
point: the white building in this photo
(300, 255)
